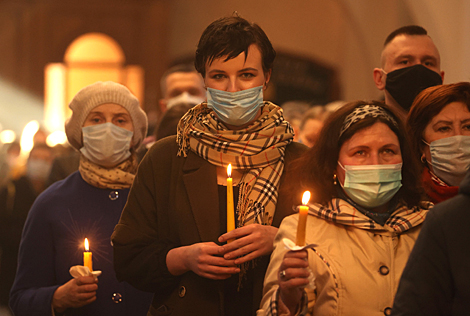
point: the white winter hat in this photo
(100, 93)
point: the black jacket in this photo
(436, 280)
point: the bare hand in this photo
(205, 260)
(75, 293)
(250, 242)
(293, 278)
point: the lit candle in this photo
(87, 262)
(303, 212)
(230, 211)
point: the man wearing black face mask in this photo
(410, 63)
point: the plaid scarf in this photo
(119, 177)
(258, 150)
(341, 212)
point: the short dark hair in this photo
(427, 104)
(176, 68)
(406, 30)
(230, 36)
(322, 159)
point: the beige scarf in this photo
(257, 150)
(119, 177)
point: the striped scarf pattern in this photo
(341, 212)
(257, 150)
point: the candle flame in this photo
(87, 248)
(306, 197)
(229, 170)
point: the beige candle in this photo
(303, 212)
(87, 256)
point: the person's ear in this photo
(442, 75)
(162, 104)
(267, 77)
(379, 78)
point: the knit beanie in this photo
(100, 93)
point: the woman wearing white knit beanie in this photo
(106, 126)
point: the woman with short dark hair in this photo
(172, 237)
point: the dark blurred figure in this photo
(170, 119)
(9, 162)
(64, 165)
(293, 113)
(311, 125)
(16, 198)
(436, 278)
(166, 126)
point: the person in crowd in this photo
(172, 238)
(64, 165)
(9, 162)
(16, 198)
(181, 83)
(311, 125)
(170, 120)
(293, 113)
(410, 63)
(106, 126)
(436, 277)
(364, 217)
(439, 128)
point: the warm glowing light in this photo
(54, 96)
(7, 136)
(27, 136)
(306, 197)
(55, 138)
(87, 246)
(229, 170)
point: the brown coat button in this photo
(384, 270)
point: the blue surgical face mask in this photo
(372, 185)
(106, 144)
(235, 108)
(450, 158)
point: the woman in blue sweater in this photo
(106, 126)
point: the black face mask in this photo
(406, 83)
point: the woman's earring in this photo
(423, 158)
(334, 178)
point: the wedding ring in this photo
(282, 274)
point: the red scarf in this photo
(436, 189)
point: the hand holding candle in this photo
(303, 212)
(230, 209)
(87, 256)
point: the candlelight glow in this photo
(7, 136)
(87, 247)
(27, 137)
(55, 138)
(229, 170)
(306, 197)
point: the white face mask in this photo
(184, 97)
(450, 158)
(106, 144)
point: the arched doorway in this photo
(89, 58)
